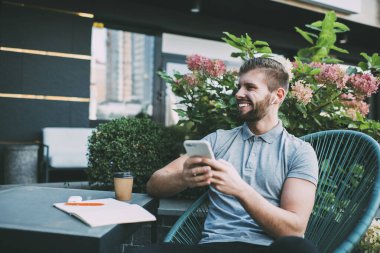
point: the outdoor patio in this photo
(88, 88)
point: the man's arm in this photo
(291, 218)
(182, 173)
(297, 200)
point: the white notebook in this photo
(111, 212)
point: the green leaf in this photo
(301, 108)
(231, 36)
(314, 28)
(316, 24)
(233, 44)
(375, 60)
(236, 54)
(315, 71)
(305, 53)
(363, 65)
(320, 54)
(264, 50)
(181, 113)
(331, 60)
(341, 50)
(260, 43)
(247, 41)
(365, 56)
(305, 35)
(341, 26)
(317, 121)
(266, 55)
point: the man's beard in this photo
(258, 112)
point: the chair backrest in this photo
(348, 193)
(67, 145)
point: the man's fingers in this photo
(200, 170)
(199, 176)
(200, 181)
(205, 183)
(202, 177)
(192, 162)
(218, 175)
(215, 181)
(218, 165)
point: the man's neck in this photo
(262, 126)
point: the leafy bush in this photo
(322, 95)
(370, 242)
(131, 144)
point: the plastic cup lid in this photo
(123, 174)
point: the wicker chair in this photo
(347, 199)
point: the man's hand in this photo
(196, 173)
(225, 178)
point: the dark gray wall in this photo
(42, 29)
(23, 73)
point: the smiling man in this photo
(263, 181)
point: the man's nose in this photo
(239, 93)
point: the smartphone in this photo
(198, 148)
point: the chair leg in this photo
(46, 174)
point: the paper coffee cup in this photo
(123, 185)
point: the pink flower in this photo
(207, 66)
(302, 92)
(331, 74)
(353, 103)
(195, 62)
(348, 96)
(352, 113)
(190, 79)
(217, 68)
(316, 64)
(363, 108)
(364, 84)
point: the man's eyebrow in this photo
(247, 83)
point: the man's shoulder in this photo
(295, 142)
(223, 133)
(221, 138)
(292, 138)
(233, 131)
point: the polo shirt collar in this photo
(268, 137)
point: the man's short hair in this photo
(276, 74)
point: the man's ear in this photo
(280, 95)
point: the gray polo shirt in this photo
(264, 162)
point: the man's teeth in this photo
(243, 105)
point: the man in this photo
(263, 180)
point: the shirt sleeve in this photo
(305, 164)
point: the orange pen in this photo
(83, 204)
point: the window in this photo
(122, 72)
